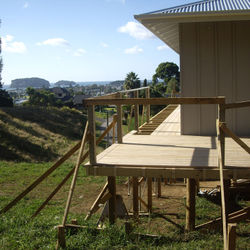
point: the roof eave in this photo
(197, 16)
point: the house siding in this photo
(215, 61)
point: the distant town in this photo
(64, 90)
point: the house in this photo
(212, 38)
(78, 100)
(61, 93)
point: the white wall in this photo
(215, 61)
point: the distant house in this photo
(61, 93)
(78, 100)
(212, 38)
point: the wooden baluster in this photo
(137, 113)
(148, 106)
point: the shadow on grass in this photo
(19, 144)
(8, 155)
(27, 129)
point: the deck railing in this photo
(118, 102)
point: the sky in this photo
(80, 40)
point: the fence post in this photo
(92, 136)
(137, 112)
(190, 205)
(119, 121)
(148, 106)
(231, 244)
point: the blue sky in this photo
(80, 40)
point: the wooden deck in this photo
(163, 154)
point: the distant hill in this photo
(93, 82)
(30, 82)
(64, 83)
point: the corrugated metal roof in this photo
(207, 6)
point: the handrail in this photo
(156, 101)
(242, 104)
(132, 90)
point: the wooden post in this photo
(137, 113)
(119, 123)
(61, 237)
(92, 135)
(231, 244)
(113, 134)
(142, 114)
(221, 163)
(128, 227)
(148, 106)
(149, 180)
(112, 200)
(73, 182)
(135, 197)
(159, 187)
(190, 205)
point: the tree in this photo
(132, 81)
(42, 97)
(5, 99)
(145, 83)
(165, 71)
(172, 86)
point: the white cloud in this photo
(104, 45)
(9, 45)
(55, 42)
(136, 30)
(26, 5)
(79, 52)
(133, 50)
(162, 47)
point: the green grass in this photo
(18, 231)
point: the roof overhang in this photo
(166, 26)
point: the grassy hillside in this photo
(36, 134)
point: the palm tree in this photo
(132, 81)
